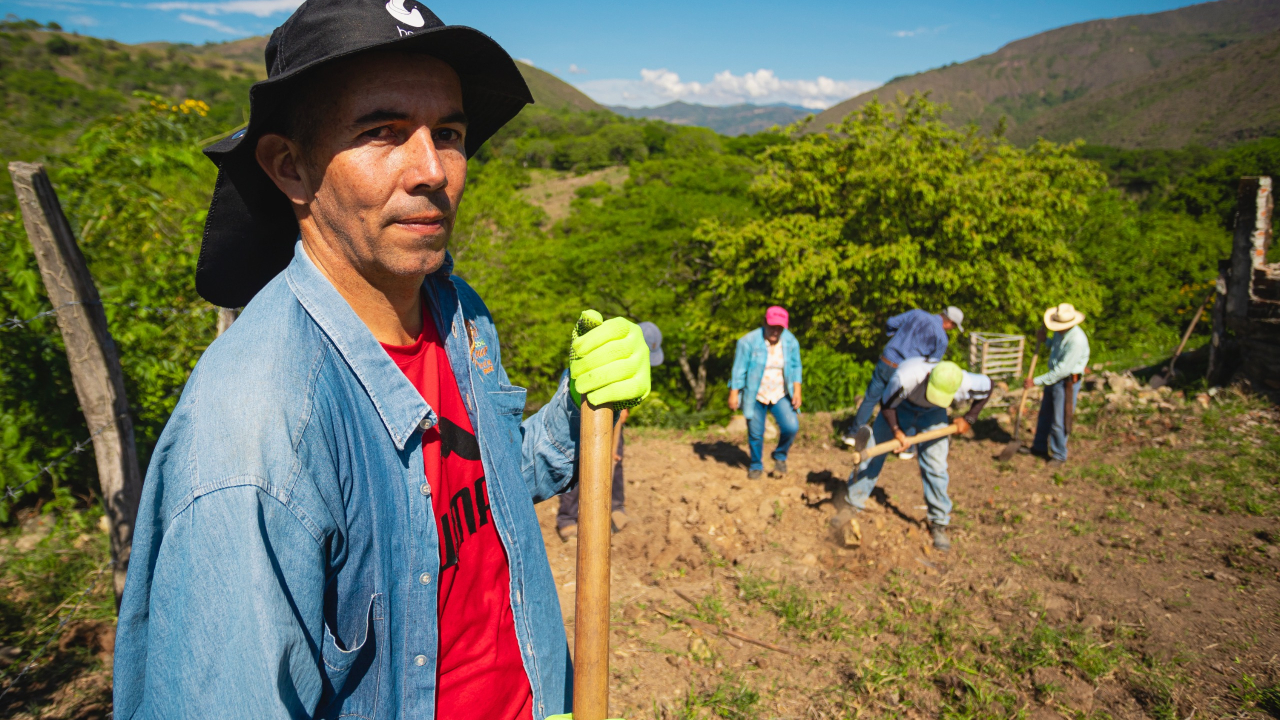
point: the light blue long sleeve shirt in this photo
(1068, 355)
(749, 360)
(286, 558)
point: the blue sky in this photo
(804, 52)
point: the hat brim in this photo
(1055, 326)
(656, 357)
(250, 230)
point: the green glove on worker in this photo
(608, 361)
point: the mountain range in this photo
(1203, 74)
(742, 119)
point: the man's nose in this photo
(423, 169)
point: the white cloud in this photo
(259, 8)
(920, 31)
(526, 61)
(762, 87)
(210, 23)
(575, 70)
(82, 21)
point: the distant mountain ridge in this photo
(1201, 74)
(742, 119)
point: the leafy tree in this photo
(896, 210)
(1211, 190)
(135, 191)
(1154, 269)
(636, 254)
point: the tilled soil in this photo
(1061, 597)
(1143, 580)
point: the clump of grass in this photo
(731, 698)
(54, 571)
(797, 609)
(711, 609)
(1228, 472)
(1262, 697)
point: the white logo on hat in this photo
(405, 15)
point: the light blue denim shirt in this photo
(1068, 355)
(749, 360)
(285, 559)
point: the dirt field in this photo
(1143, 580)
(1075, 594)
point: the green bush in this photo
(833, 380)
(135, 191)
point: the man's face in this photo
(772, 333)
(947, 325)
(386, 168)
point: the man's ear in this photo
(281, 159)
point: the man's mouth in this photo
(423, 223)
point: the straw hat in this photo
(1062, 317)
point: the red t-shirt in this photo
(479, 672)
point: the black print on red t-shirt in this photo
(466, 513)
(453, 439)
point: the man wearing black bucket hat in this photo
(338, 519)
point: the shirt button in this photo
(420, 660)
(426, 489)
(425, 578)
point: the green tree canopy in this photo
(894, 210)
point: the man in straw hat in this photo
(916, 399)
(1068, 357)
(338, 519)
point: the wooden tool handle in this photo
(591, 612)
(889, 446)
(1022, 404)
(1187, 335)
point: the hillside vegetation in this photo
(681, 226)
(741, 119)
(1203, 74)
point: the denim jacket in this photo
(285, 556)
(750, 359)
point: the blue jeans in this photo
(788, 426)
(875, 389)
(568, 513)
(931, 455)
(1051, 428)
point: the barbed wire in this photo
(57, 631)
(15, 322)
(11, 491)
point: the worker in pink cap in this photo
(766, 379)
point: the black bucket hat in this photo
(250, 231)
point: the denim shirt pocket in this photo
(352, 673)
(508, 403)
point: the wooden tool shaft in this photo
(591, 612)
(1187, 335)
(894, 446)
(1022, 404)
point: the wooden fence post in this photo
(226, 316)
(95, 364)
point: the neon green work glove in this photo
(608, 361)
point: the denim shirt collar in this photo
(402, 409)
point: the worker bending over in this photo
(1068, 357)
(916, 398)
(914, 333)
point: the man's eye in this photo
(448, 135)
(377, 133)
